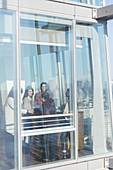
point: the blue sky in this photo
(110, 39)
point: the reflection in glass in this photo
(47, 67)
(47, 148)
(7, 89)
(112, 89)
(93, 101)
(105, 88)
(91, 2)
(84, 73)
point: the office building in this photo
(55, 92)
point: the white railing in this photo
(32, 125)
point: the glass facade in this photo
(59, 67)
(93, 101)
(7, 89)
(91, 2)
(47, 79)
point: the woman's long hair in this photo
(26, 92)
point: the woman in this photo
(27, 109)
(28, 100)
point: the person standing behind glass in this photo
(27, 109)
(65, 136)
(50, 140)
(28, 100)
(38, 100)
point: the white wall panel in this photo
(83, 12)
(80, 166)
(96, 164)
(8, 2)
(57, 0)
(50, 6)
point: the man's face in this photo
(43, 87)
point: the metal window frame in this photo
(90, 157)
(64, 162)
(109, 154)
(18, 160)
(109, 77)
(75, 19)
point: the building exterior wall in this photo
(40, 33)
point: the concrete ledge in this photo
(105, 13)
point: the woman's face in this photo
(43, 87)
(30, 92)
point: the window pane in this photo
(93, 101)
(47, 79)
(91, 2)
(7, 88)
(105, 87)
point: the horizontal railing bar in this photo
(45, 126)
(42, 43)
(46, 116)
(47, 131)
(9, 124)
(41, 121)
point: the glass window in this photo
(112, 89)
(105, 86)
(47, 80)
(7, 89)
(93, 101)
(91, 2)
